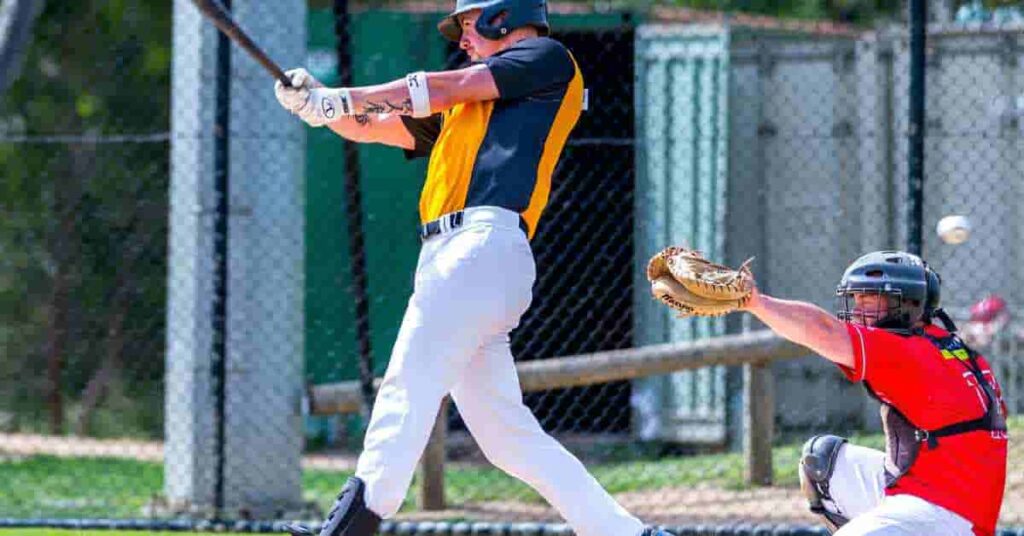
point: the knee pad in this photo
(817, 462)
(350, 516)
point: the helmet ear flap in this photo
(933, 299)
(933, 290)
(493, 22)
(499, 18)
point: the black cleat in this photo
(348, 517)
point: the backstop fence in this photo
(183, 265)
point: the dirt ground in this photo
(704, 504)
(667, 506)
(682, 506)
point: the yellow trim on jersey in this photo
(452, 159)
(960, 353)
(568, 113)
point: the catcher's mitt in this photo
(687, 282)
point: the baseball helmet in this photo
(491, 25)
(912, 287)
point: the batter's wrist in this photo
(331, 104)
(419, 93)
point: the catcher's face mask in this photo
(894, 287)
(870, 307)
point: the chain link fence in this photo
(175, 249)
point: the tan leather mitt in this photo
(687, 282)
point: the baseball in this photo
(954, 229)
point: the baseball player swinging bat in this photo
(220, 17)
(493, 131)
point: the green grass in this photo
(41, 486)
(46, 486)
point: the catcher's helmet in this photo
(491, 25)
(912, 286)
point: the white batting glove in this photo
(310, 100)
(294, 97)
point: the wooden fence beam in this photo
(753, 347)
(758, 423)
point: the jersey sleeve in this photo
(424, 131)
(529, 67)
(879, 357)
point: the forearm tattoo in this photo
(403, 108)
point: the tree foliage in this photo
(83, 202)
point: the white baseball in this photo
(954, 229)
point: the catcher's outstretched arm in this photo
(805, 324)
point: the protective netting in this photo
(175, 250)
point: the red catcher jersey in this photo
(966, 473)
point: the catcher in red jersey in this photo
(944, 467)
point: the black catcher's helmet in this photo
(912, 288)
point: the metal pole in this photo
(354, 213)
(916, 126)
(220, 251)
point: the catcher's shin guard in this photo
(349, 516)
(817, 462)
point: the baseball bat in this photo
(220, 17)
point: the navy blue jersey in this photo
(502, 152)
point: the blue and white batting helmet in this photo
(517, 13)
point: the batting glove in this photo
(308, 98)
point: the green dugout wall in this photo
(390, 185)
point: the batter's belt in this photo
(496, 216)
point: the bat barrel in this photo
(227, 25)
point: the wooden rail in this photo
(600, 367)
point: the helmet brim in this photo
(449, 28)
(449, 25)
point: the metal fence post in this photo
(915, 145)
(354, 215)
(222, 189)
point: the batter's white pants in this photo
(858, 488)
(472, 284)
